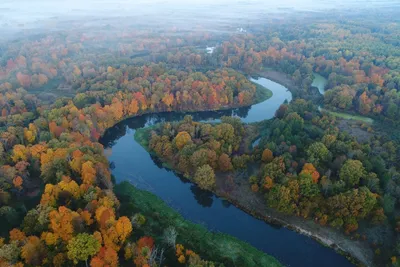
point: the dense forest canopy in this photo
(64, 82)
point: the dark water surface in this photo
(131, 162)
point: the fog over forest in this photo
(16, 15)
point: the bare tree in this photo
(170, 235)
(156, 257)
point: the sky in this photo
(22, 14)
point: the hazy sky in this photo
(22, 13)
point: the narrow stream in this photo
(132, 163)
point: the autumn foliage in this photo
(308, 168)
(181, 139)
(58, 97)
(267, 155)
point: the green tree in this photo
(204, 156)
(295, 121)
(81, 247)
(10, 252)
(392, 110)
(284, 198)
(275, 169)
(351, 172)
(205, 177)
(358, 202)
(225, 132)
(307, 187)
(328, 140)
(240, 162)
(388, 203)
(371, 181)
(317, 152)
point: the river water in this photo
(133, 163)
(320, 82)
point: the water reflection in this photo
(226, 203)
(157, 161)
(203, 197)
(242, 112)
(134, 164)
(120, 129)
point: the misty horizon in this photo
(23, 14)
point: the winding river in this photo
(132, 162)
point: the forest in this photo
(60, 91)
(297, 147)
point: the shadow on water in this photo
(203, 197)
(119, 130)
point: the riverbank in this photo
(262, 94)
(238, 192)
(278, 77)
(177, 192)
(241, 195)
(282, 78)
(315, 94)
(254, 204)
(159, 216)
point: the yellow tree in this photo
(267, 155)
(20, 153)
(49, 238)
(70, 186)
(37, 150)
(46, 157)
(76, 162)
(88, 173)
(50, 195)
(123, 228)
(168, 99)
(308, 168)
(205, 177)
(133, 107)
(181, 139)
(81, 247)
(61, 222)
(17, 235)
(117, 108)
(110, 238)
(104, 215)
(87, 217)
(29, 136)
(268, 183)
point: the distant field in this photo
(348, 116)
